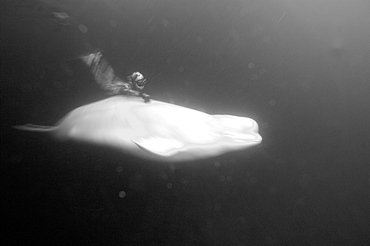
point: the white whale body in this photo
(156, 130)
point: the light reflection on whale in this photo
(156, 130)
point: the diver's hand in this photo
(145, 96)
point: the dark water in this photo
(301, 70)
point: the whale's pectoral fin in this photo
(159, 146)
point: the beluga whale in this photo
(134, 123)
(156, 130)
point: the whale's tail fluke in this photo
(35, 128)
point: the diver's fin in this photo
(82, 57)
(36, 128)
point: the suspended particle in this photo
(119, 169)
(82, 28)
(217, 164)
(164, 176)
(122, 194)
(265, 125)
(272, 102)
(113, 23)
(165, 22)
(253, 180)
(199, 40)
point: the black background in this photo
(307, 183)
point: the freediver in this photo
(105, 76)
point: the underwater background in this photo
(301, 69)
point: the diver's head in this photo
(138, 80)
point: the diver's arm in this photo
(145, 96)
(123, 88)
(130, 92)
